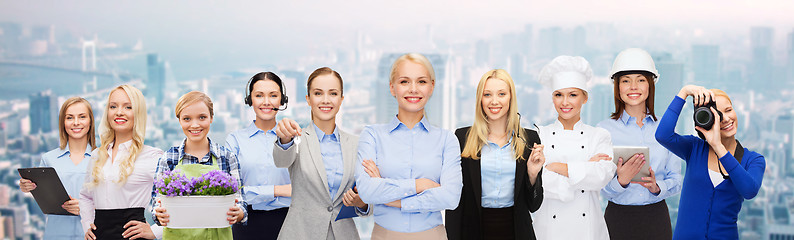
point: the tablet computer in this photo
(627, 152)
(49, 193)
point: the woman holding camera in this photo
(639, 204)
(720, 173)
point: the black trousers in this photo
(261, 224)
(110, 223)
(498, 224)
(650, 221)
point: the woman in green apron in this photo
(197, 155)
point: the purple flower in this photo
(213, 183)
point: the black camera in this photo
(703, 116)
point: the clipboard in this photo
(49, 193)
(347, 211)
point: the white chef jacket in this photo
(571, 206)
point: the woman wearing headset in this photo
(266, 188)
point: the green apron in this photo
(195, 171)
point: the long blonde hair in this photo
(64, 137)
(478, 133)
(108, 136)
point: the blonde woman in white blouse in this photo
(121, 172)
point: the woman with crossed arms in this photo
(410, 170)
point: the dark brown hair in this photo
(620, 106)
(323, 71)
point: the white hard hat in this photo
(634, 59)
(566, 72)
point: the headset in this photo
(267, 76)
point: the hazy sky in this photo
(223, 33)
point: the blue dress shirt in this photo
(705, 211)
(403, 155)
(666, 166)
(257, 170)
(331, 150)
(498, 172)
(72, 177)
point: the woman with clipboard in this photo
(119, 184)
(76, 130)
(321, 167)
(637, 210)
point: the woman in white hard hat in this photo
(578, 158)
(637, 210)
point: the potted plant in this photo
(200, 202)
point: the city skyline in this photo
(168, 49)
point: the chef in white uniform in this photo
(578, 158)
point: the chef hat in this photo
(566, 72)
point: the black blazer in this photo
(464, 221)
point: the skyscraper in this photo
(706, 65)
(790, 65)
(43, 112)
(155, 83)
(300, 85)
(761, 66)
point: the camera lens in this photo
(704, 118)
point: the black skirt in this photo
(498, 224)
(650, 221)
(110, 223)
(264, 225)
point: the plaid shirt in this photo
(226, 160)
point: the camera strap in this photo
(738, 154)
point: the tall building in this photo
(155, 83)
(43, 112)
(706, 65)
(386, 104)
(482, 53)
(761, 66)
(790, 65)
(549, 42)
(300, 85)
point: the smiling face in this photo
(325, 97)
(195, 120)
(77, 121)
(412, 86)
(120, 116)
(568, 102)
(265, 95)
(729, 120)
(633, 89)
(495, 99)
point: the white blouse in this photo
(109, 194)
(574, 201)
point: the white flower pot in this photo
(197, 211)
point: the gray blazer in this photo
(312, 214)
